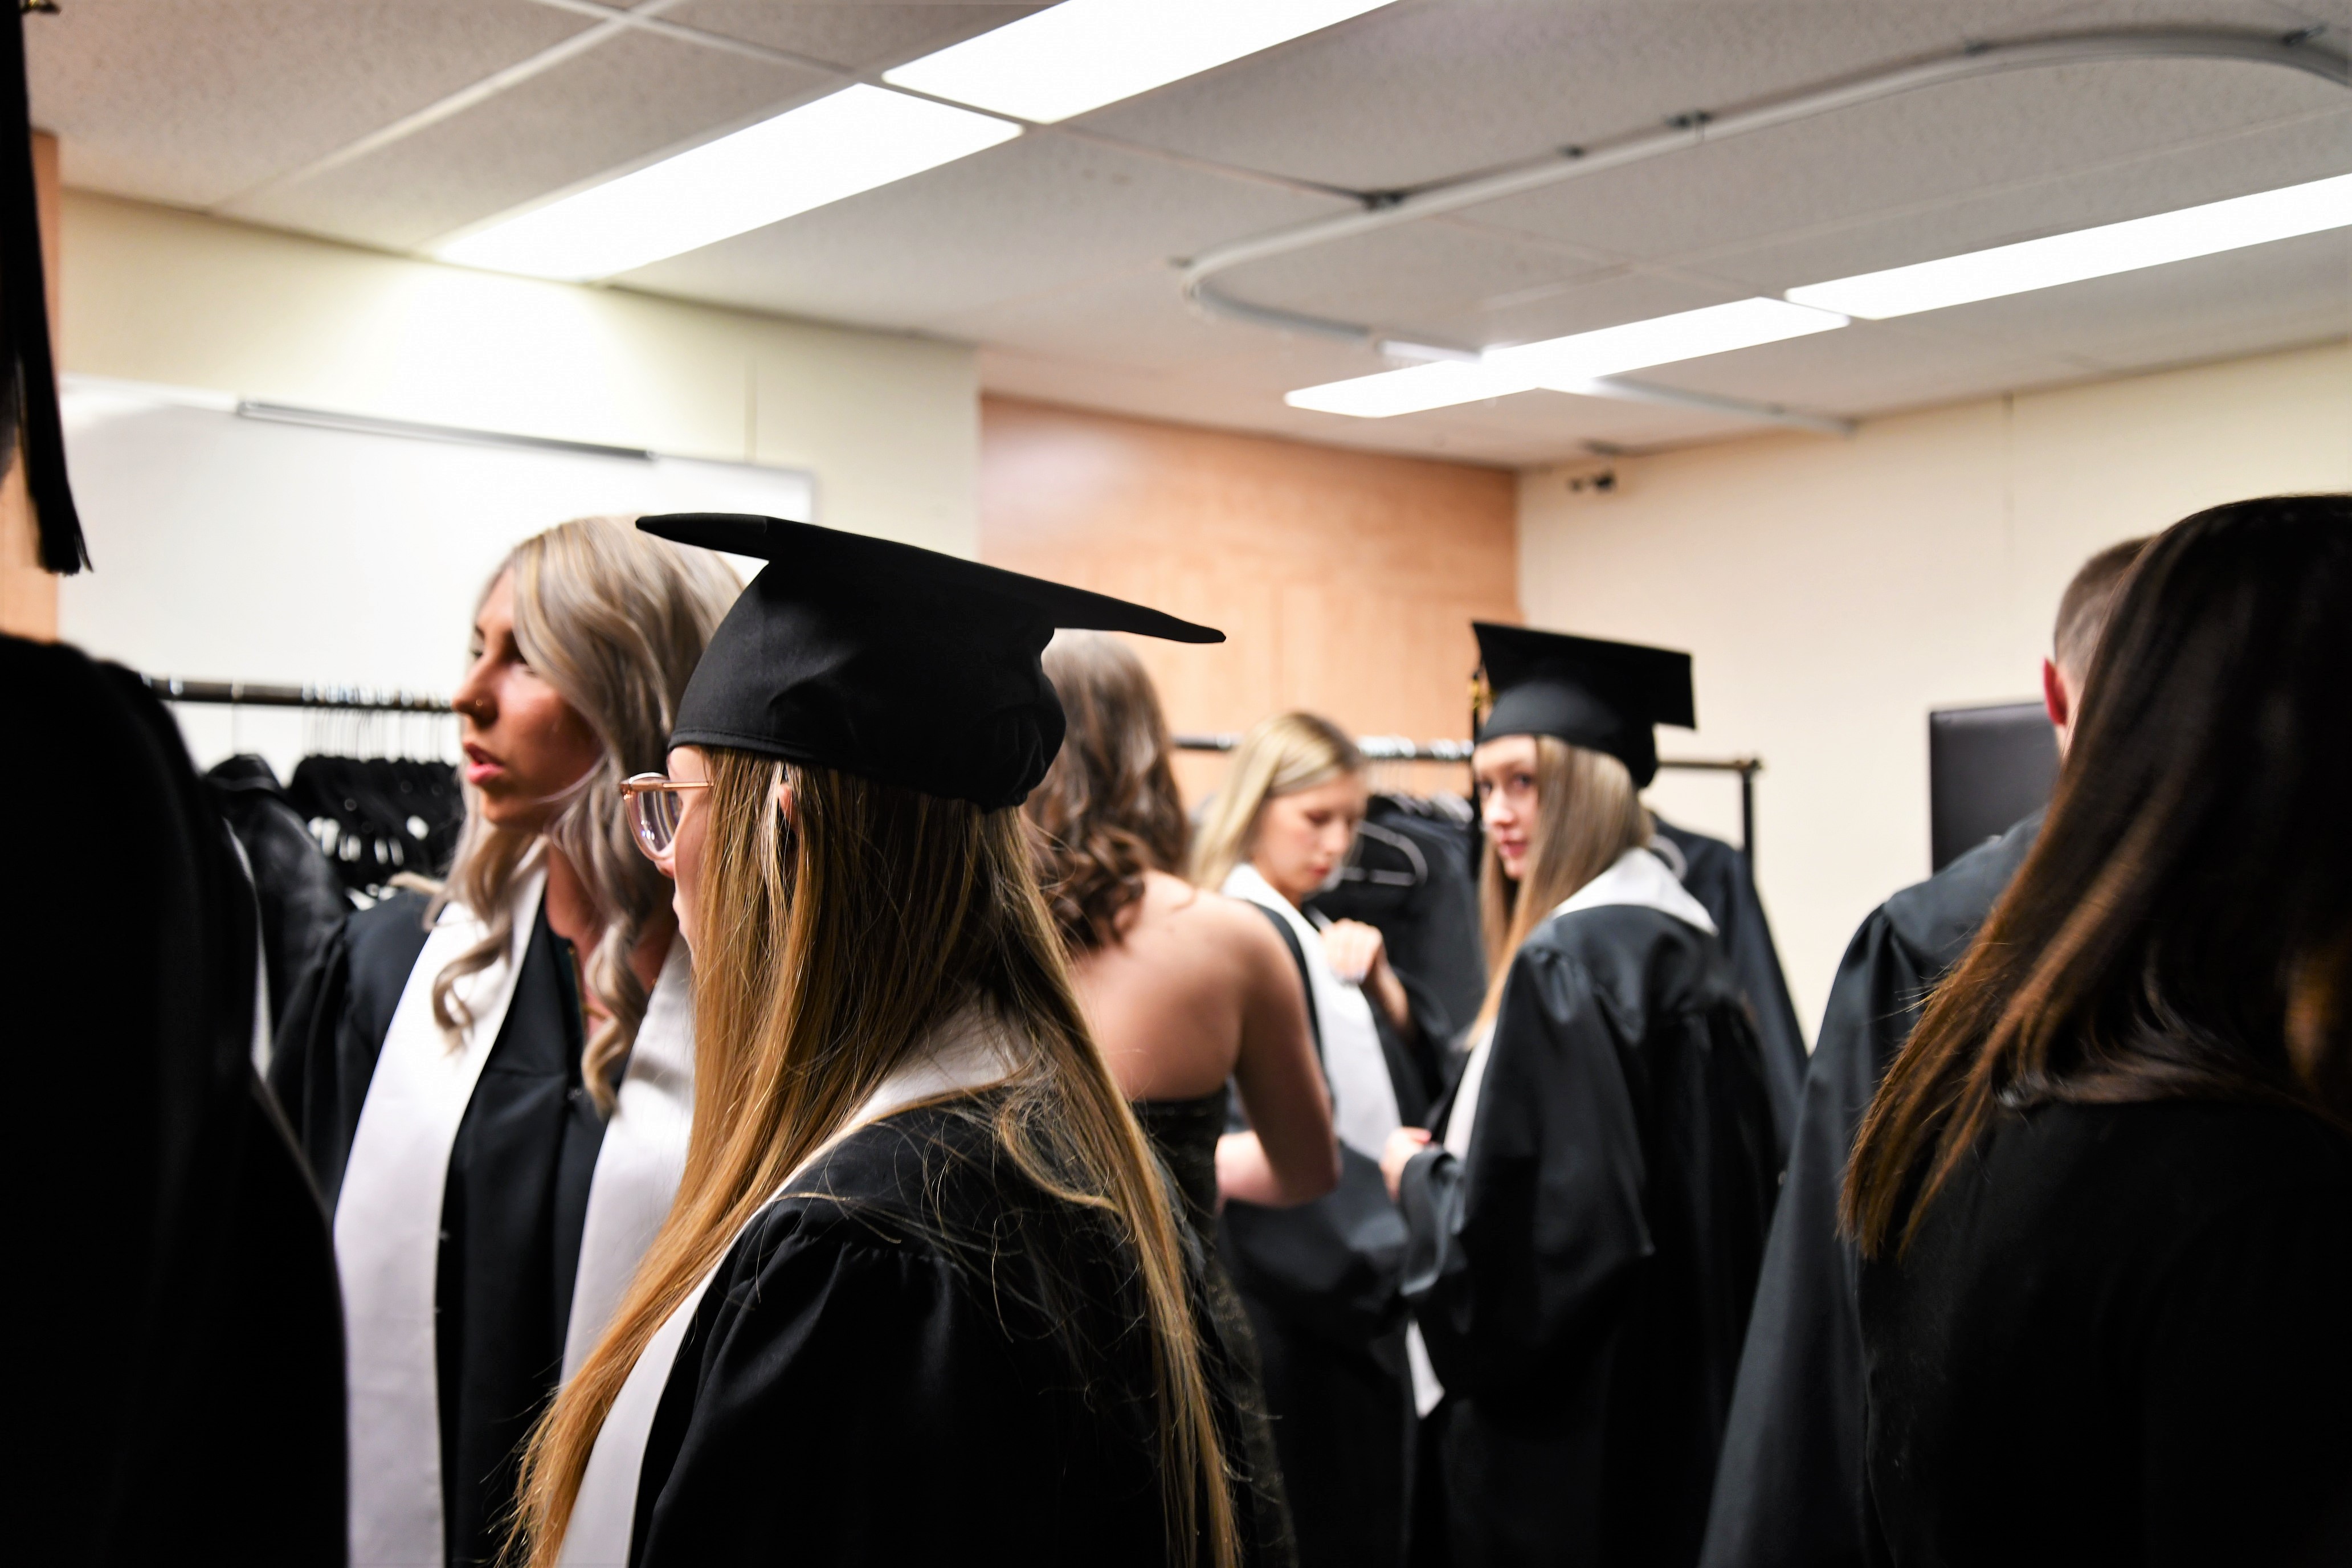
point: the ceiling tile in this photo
(2289, 293)
(191, 102)
(628, 98)
(2315, 147)
(1023, 220)
(1416, 275)
(1381, 101)
(1942, 145)
(1869, 368)
(851, 35)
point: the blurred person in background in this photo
(492, 1083)
(1321, 1281)
(1187, 991)
(2104, 1198)
(1790, 1491)
(1585, 1230)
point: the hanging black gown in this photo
(1717, 877)
(918, 1357)
(1581, 1275)
(515, 1202)
(1790, 1491)
(1321, 1283)
(177, 1390)
(2120, 1339)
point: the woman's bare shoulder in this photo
(1236, 931)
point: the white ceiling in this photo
(392, 123)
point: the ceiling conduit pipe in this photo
(2296, 51)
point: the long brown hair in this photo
(1588, 814)
(2183, 926)
(830, 949)
(616, 621)
(1107, 810)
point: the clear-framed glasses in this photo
(656, 806)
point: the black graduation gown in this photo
(515, 1202)
(1789, 1492)
(1320, 1283)
(301, 899)
(177, 1387)
(2120, 1338)
(1582, 1277)
(1717, 874)
(920, 1357)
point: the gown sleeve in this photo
(853, 1401)
(1790, 1489)
(333, 1030)
(1521, 1252)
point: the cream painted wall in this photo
(890, 425)
(1834, 591)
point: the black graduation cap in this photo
(1604, 696)
(888, 661)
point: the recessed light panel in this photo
(850, 142)
(1082, 54)
(2088, 253)
(1570, 364)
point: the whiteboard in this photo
(227, 548)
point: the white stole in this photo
(1638, 877)
(1363, 1098)
(970, 1054)
(642, 1157)
(388, 1236)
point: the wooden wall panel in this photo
(1345, 581)
(28, 596)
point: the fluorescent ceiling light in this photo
(2088, 253)
(1571, 363)
(838, 146)
(1082, 54)
(1438, 385)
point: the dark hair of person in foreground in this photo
(2184, 927)
(2104, 1198)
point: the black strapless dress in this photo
(1184, 1133)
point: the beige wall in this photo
(1835, 591)
(1345, 581)
(888, 424)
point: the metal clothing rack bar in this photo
(258, 694)
(1399, 749)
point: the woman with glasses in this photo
(491, 1082)
(924, 1297)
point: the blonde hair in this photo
(615, 620)
(1280, 756)
(1588, 813)
(832, 948)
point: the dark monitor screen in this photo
(1987, 767)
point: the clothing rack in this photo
(350, 699)
(1399, 749)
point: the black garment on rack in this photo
(1414, 876)
(365, 812)
(178, 1392)
(515, 1199)
(1717, 874)
(1790, 1491)
(1320, 1282)
(301, 899)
